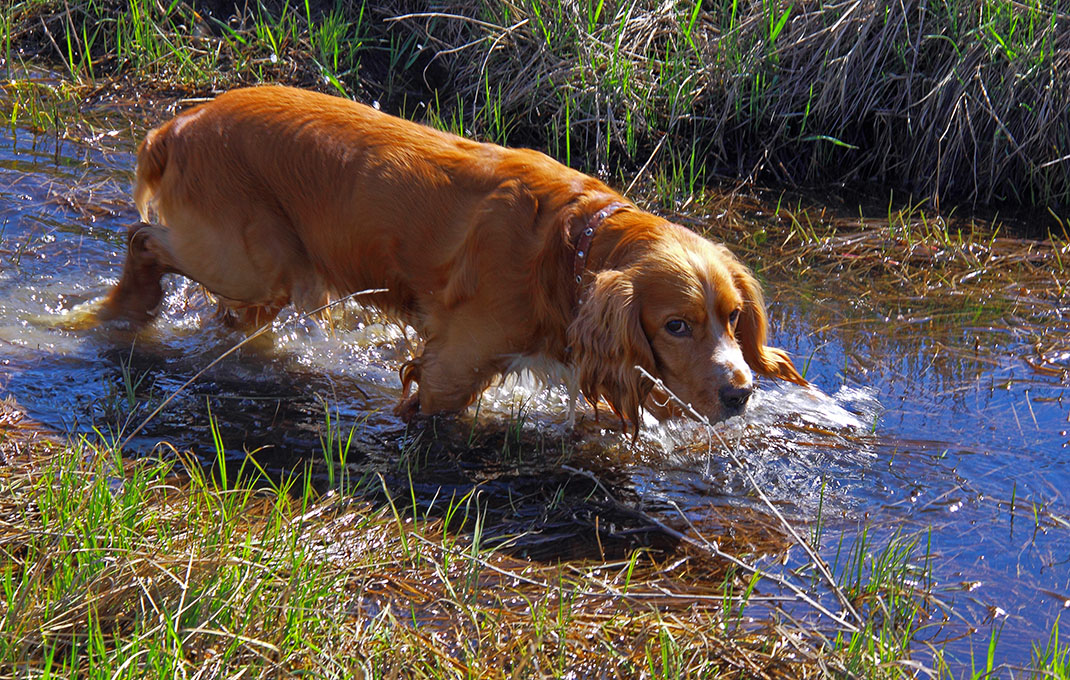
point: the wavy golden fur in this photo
(269, 196)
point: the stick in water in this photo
(818, 562)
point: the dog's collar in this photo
(583, 241)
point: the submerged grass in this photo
(953, 101)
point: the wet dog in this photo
(502, 259)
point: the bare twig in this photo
(445, 15)
(819, 563)
(649, 160)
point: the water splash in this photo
(794, 441)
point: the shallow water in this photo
(928, 416)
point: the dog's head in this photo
(687, 311)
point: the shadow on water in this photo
(943, 412)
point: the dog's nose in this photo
(735, 398)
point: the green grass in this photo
(131, 570)
(112, 567)
(1053, 659)
(951, 102)
(35, 103)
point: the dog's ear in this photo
(753, 327)
(608, 342)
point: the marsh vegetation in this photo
(275, 519)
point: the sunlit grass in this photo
(806, 93)
(119, 568)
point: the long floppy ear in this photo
(752, 329)
(608, 342)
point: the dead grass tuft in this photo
(955, 101)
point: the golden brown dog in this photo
(500, 258)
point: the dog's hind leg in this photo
(249, 318)
(138, 293)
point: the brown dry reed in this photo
(956, 100)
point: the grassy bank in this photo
(950, 101)
(112, 568)
(160, 567)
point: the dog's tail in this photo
(151, 161)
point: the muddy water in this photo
(929, 417)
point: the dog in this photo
(502, 259)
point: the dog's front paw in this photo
(409, 407)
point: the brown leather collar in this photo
(583, 241)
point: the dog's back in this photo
(270, 195)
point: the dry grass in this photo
(961, 100)
(115, 568)
(953, 101)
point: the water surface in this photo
(931, 413)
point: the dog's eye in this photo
(733, 318)
(679, 328)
